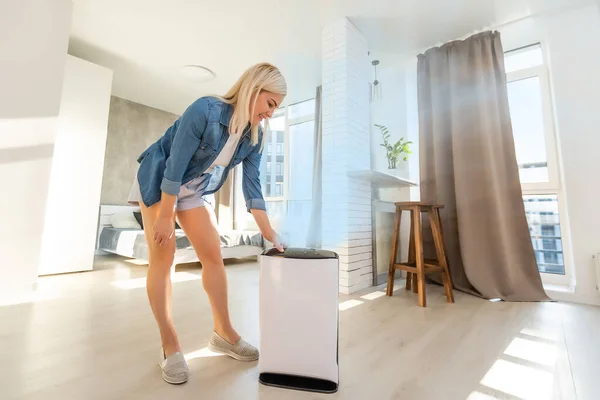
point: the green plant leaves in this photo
(394, 151)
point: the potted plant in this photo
(396, 150)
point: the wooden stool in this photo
(417, 267)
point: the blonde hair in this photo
(254, 80)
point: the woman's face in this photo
(266, 104)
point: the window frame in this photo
(284, 111)
(289, 122)
(554, 186)
(555, 279)
(280, 112)
(541, 73)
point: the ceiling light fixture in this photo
(198, 73)
(376, 85)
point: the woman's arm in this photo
(262, 220)
(186, 141)
(255, 202)
(163, 225)
(190, 128)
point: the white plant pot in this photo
(401, 169)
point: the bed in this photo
(120, 232)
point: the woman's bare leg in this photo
(200, 227)
(158, 281)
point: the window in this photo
(550, 260)
(275, 177)
(549, 244)
(535, 146)
(523, 58)
(302, 109)
(548, 230)
(546, 238)
(302, 140)
(270, 163)
(275, 209)
(301, 160)
(287, 165)
(531, 115)
(528, 129)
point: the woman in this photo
(191, 161)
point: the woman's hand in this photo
(163, 230)
(262, 220)
(164, 226)
(273, 237)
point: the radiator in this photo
(597, 270)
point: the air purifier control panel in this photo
(301, 253)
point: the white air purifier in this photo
(299, 319)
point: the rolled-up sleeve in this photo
(251, 181)
(190, 127)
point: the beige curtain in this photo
(468, 163)
(224, 202)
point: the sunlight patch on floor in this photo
(137, 283)
(33, 296)
(527, 383)
(345, 305)
(373, 295)
(135, 261)
(531, 379)
(537, 352)
(202, 353)
(540, 334)
(480, 396)
(369, 296)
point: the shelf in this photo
(381, 179)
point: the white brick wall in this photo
(346, 146)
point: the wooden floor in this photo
(92, 336)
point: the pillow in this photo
(124, 220)
(138, 218)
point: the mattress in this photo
(132, 243)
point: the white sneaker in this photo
(174, 368)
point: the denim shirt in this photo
(189, 147)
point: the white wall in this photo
(76, 177)
(390, 111)
(35, 38)
(573, 40)
(346, 136)
(399, 110)
(31, 73)
(412, 125)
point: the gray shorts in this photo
(191, 195)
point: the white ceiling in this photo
(147, 42)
